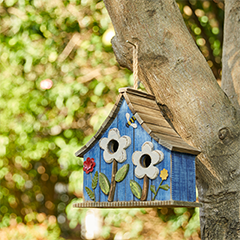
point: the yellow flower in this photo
(164, 174)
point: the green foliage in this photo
(136, 189)
(90, 193)
(153, 189)
(122, 173)
(68, 43)
(104, 183)
(95, 180)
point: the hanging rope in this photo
(135, 64)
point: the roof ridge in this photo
(139, 93)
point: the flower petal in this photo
(139, 173)
(113, 134)
(147, 147)
(152, 172)
(136, 157)
(120, 156)
(156, 156)
(124, 142)
(103, 143)
(108, 157)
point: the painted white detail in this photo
(122, 143)
(134, 125)
(156, 157)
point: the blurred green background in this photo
(59, 80)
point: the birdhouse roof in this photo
(147, 112)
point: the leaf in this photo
(90, 193)
(104, 183)
(95, 180)
(153, 189)
(136, 189)
(164, 187)
(122, 173)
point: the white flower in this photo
(114, 146)
(145, 161)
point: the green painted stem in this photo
(157, 190)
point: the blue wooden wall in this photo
(183, 177)
(183, 166)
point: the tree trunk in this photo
(172, 68)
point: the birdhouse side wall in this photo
(183, 177)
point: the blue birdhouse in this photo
(136, 159)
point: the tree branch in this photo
(231, 52)
(173, 69)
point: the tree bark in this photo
(231, 52)
(172, 68)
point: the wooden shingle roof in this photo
(144, 107)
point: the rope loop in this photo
(135, 64)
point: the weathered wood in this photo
(163, 130)
(156, 120)
(230, 61)
(176, 144)
(136, 92)
(151, 104)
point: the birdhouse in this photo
(137, 160)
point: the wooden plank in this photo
(116, 107)
(191, 193)
(177, 144)
(106, 168)
(163, 130)
(140, 138)
(156, 120)
(143, 109)
(87, 180)
(123, 188)
(162, 194)
(175, 176)
(136, 92)
(143, 101)
(139, 204)
(183, 178)
(139, 119)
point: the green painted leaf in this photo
(104, 183)
(90, 193)
(122, 173)
(136, 189)
(95, 180)
(153, 189)
(164, 187)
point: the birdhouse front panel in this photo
(127, 164)
(110, 149)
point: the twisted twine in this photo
(135, 64)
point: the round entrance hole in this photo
(145, 161)
(113, 146)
